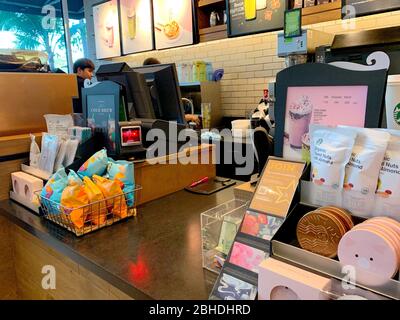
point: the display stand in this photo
(101, 108)
(329, 95)
(284, 246)
(366, 206)
(315, 78)
(218, 230)
(238, 279)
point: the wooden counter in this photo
(156, 255)
(158, 180)
(26, 97)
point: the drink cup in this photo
(250, 9)
(110, 35)
(261, 4)
(393, 104)
(299, 125)
(132, 24)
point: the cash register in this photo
(148, 98)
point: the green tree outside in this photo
(30, 35)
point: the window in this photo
(39, 25)
(77, 27)
(33, 25)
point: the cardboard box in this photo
(281, 281)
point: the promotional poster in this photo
(331, 106)
(136, 26)
(106, 30)
(173, 23)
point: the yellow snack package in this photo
(112, 189)
(98, 208)
(74, 201)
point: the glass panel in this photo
(77, 25)
(34, 25)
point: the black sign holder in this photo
(298, 32)
(101, 109)
(319, 75)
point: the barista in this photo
(84, 69)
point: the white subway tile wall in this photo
(251, 62)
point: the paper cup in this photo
(393, 104)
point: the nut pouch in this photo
(97, 164)
(75, 201)
(112, 191)
(98, 207)
(389, 176)
(124, 172)
(330, 152)
(53, 191)
(362, 171)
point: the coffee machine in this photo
(356, 47)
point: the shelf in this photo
(204, 3)
(322, 8)
(217, 28)
(189, 84)
(213, 33)
(322, 13)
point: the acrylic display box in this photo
(218, 230)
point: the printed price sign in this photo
(277, 186)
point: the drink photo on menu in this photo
(106, 29)
(136, 26)
(325, 105)
(173, 23)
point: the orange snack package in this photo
(74, 201)
(98, 208)
(112, 189)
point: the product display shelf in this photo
(189, 84)
(285, 246)
(213, 33)
(218, 230)
(204, 3)
(208, 32)
(322, 13)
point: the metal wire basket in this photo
(91, 217)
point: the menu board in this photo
(277, 187)
(106, 30)
(173, 23)
(136, 26)
(253, 16)
(365, 7)
(324, 105)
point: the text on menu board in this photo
(237, 9)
